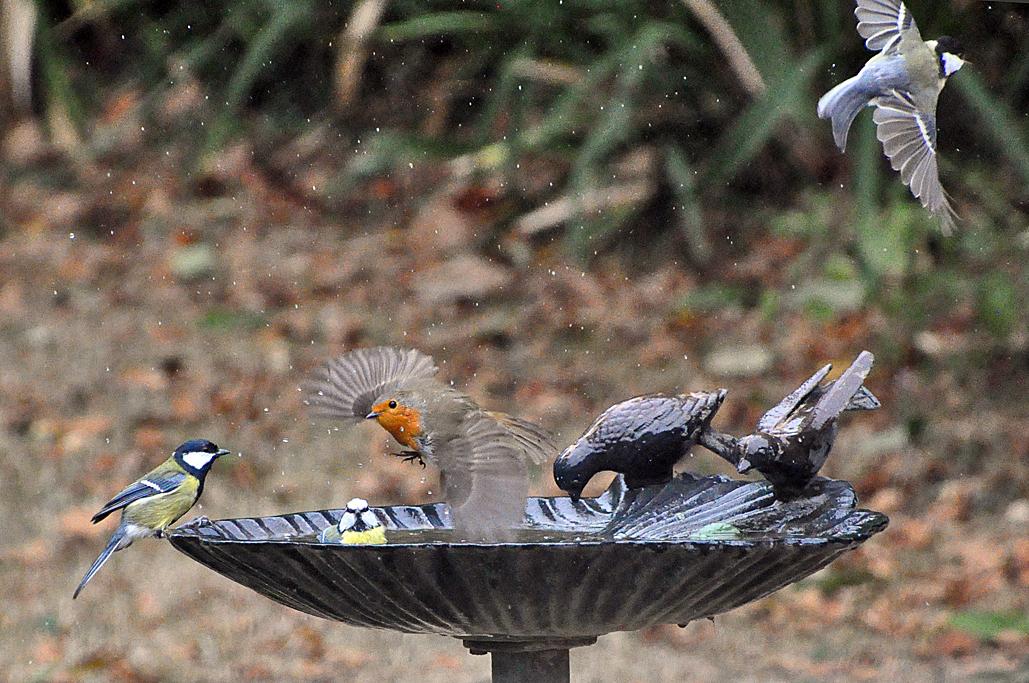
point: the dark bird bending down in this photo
(793, 439)
(156, 500)
(903, 81)
(483, 456)
(641, 438)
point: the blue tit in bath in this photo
(903, 82)
(357, 526)
(157, 499)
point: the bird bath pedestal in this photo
(667, 554)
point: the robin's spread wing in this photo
(535, 441)
(882, 23)
(837, 397)
(149, 485)
(484, 478)
(908, 136)
(774, 418)
(346, 387)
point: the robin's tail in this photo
(842, 104)
(535, 441)
(119, 540)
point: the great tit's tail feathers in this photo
(120, 539)
(535, 441)
(842, 105)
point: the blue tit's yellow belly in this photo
(373, 536)
(162, 510)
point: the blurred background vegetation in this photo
(644, 126)
(567, 203)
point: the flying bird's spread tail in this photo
(842, 104)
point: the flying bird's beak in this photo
(221, 452)
(371, 416)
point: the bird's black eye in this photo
(210, 448)
(392, 405)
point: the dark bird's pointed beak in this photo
(743, 466)
(371, 416)
(221, 452)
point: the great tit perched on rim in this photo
(357, 526)
(903, 83)
(157, 499)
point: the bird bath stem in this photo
(629, 559)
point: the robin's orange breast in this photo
(404, 424)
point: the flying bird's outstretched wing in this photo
(908, 136)
(882, 23)
(484, 478)
(346, 387)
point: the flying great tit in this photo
(157, 499)
(357, 526)
(903, 83)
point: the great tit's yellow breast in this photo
(162, 510)
(373, 536)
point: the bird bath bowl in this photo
(666, 554)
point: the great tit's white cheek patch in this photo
(951, 63)
(198, 460)
(369, 518)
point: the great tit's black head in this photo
(575, 467)
(196, 455)
(950, 54)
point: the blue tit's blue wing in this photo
(882, 24)
(150, 485)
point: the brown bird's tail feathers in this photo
(536, 442)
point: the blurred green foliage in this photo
(603, 93)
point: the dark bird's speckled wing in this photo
(837, 397)
(882, 24)
(774, 418)
(908, 136)
(346, 387)
(484, 478)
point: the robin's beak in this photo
(371, 416)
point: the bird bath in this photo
(628, 559)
